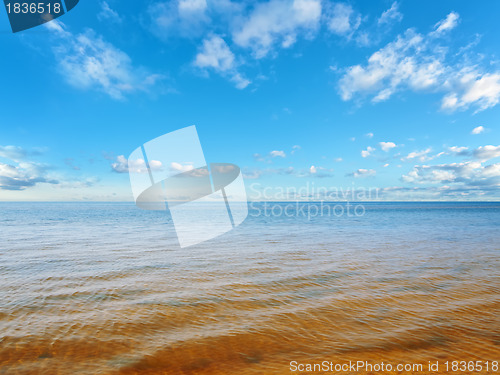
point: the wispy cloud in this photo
(216, 55)
(277, 23)
(108, 14)
(185, 18)
(272, 155)
(391, 15)
(418, 62)
(13, 152)
(87, 61)
(422, 155)
(449, 23)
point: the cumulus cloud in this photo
(460, 151)
(277, 22)
(314, 171)
(485, 153)
(362, 173)
(343, 20)
(400, 64)
(367, 152)
(482, 90)
(122, 165)
(417, 62)
(23, 175)
(87, 61)
(176, 167)
(474, 173)
(274, 154)
(478, 130)
(216, 55)
(387, 146)
(467, 173)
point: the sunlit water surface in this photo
(104, 288)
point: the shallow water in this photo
(103, 288)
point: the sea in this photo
(105, 288)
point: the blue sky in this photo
(400, 96)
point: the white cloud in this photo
(295, 148)
(122, 165)
(417, 62)
(87, 61)
(367, 152)
(23, 175)
(277, 21)
(343, 20)
(185, 18)
(216, 55)
(319, 172)
(280, 154)
(363, 173)
(450, 22)
(189, 6)
(108, 14)
(15, 153)
(369, 135)
(386, 146)
(460, 151)
(488, 152)
(467, 173)
(178, 167)
(464, 177)
(420, 155)
(391, 15)
(400, 64)
(473, 88)
(477, 130)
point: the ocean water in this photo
(104, 288)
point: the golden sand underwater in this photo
(285, 296)
(257, 328)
